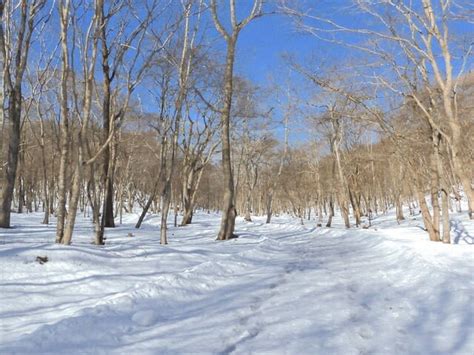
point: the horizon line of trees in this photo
(110, 106)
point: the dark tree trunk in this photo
(8, 176)
(269, 208)
(147, 206)
(331, 213)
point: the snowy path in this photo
(280, 289)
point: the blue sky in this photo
(262, 45)
(264, 41)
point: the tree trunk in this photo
(355, 207)
(342, 187)
(331, 212)
(269, 203)
(187, 217)
(8, 176)
(64, 145)
(190, 186)
(320, 211)
(435, 186)
(73, 204)
(248, 207)
(63, 166)
(445, 216)
(147, 206)
(427, 219)
(45, 184)
(229, 212)
(399, 208)
(164, 206)
(108, 208)
(12, 72)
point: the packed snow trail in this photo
(281, 288)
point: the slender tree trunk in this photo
(108, 209)
(355, 207)
(446, 236)
(435, 185)
(331, 212)
(320, 212)
(176, 212)
(342, 187)
(269, 206)
(21, 181)
(445, 216)
(164, 206)
(229, 212)
(248, 207)
(63, 162)
(107, 126)
(147, 205)
(45, 183)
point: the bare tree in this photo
(415, 41)
(115, 48)
(83, 113)
(229, 212)
(17, 26)
(184, 65)
(64, 13)
(198, 147)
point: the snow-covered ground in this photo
(281, 288)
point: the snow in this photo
(281, 288)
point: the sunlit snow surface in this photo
(281, 288)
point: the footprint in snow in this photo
(353, 288)
(256, 303)
(365, 332)
(145, 318)
(355, 317)
(272, 286)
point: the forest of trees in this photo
(114, 106)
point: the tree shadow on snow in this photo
(460, 233)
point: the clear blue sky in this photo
(262, 44)
(264, 41)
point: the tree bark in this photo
(445, 216)
(187, 196)
(331, 213)
(229, 212)
(13, 69)
(64, 145)
(164, 207)
(8, 176)
(147, 205)
(426, 215)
